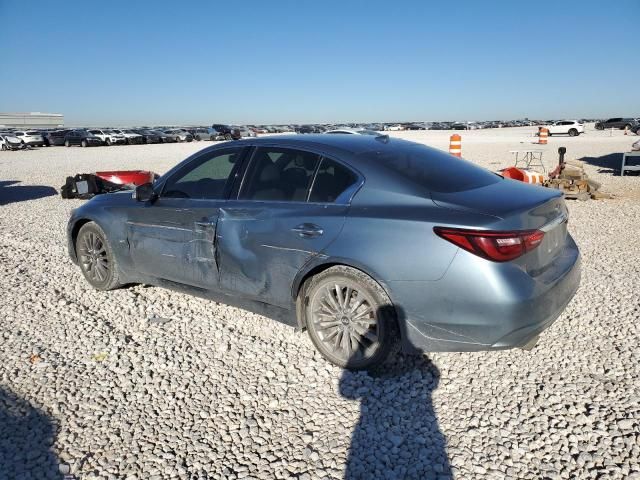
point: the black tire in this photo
(95, 257)
(67, 143)
(4, 147)
(83, 143)
(350, 318)
(573, 132)
(107, 142)
(212, 138)
(227, 137)
(198, 138)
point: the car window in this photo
(431, 170)
(331, 181)
(279, 174)
(203, 178)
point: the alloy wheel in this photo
(345, 320)
(92, 253)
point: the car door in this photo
(174, 237)
(287, 211)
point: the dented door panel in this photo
(261, 248)
(174, 239)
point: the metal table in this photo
(624, 165)
(530, 158)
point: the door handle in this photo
(205, 224)
(308, 230)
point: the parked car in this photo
(10, 142)
(130, 137)
(201, 134)
(353, 131)
(81, 137)
(394, 128)
(617, 122)
(178, 135)
(227, 132)
(305, 229)
(246, 132)
(108, 137)
(148, 136)
(56, 137)
(164, 138)
(572, 128)
(306, 129)
(30, 138)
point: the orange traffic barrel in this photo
(543, 134)
(455, 145)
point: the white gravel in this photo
(88, 384)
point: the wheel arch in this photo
(319, 265)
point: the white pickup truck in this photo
(572, 128)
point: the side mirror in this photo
(145, 193)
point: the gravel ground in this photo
(90, 388)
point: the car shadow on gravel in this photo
(12, 193)
(26, 437)
(397, 435)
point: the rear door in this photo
(174, 238)
(291, 206)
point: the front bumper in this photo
(480, 305)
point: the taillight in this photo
(492, 245)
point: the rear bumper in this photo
(480, 305)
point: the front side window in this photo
(203, 178)
(331, 181)
(280, 175)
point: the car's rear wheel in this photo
(573, 132)
(96, 258)
(350, 318)
(4, 147)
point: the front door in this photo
(292, 205)
(174, 237)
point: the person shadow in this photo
(397, 434)
(26, 439)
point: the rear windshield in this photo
(432, 169)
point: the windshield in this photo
(432, 169)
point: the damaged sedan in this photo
(366, 242)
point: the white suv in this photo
(572, 128)
(107, 137)
(129, 136)
(29, 137)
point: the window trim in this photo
(344, 199)
(189, 161)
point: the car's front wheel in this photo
(96, 258)
(350, 318)
(573, 132)
(107, 142)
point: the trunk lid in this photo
(516, 205)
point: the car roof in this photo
(353, 144)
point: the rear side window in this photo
(431, 170)
(279, 175)
(331, 181)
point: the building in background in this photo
(31, 120)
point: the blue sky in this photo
(136, 62)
